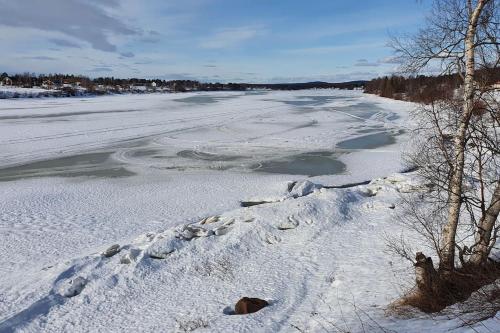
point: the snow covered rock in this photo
(250, 203)
(368, 191)
(73, 287)
(198, 231)
(130, 256)
(303, 188)
(210, 219)
(190, 231)
(185, 234)
(290, 186)
(162, 248)
(248, 219)
(111, 251)
(222, 230)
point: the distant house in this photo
(153, 84)
(6, 82)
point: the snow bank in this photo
(327, 271)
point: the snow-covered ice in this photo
(163, 176)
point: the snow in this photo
(163, 176)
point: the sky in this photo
(206, 40)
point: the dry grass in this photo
(475, 291)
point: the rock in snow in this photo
(249, 305)
(74, 287)
(210, 219)
(111, 251)
(222, 230)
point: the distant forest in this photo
(426, 88)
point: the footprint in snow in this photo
(291, 223)
(307, 221)
(272, 239)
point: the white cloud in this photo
(89, 22)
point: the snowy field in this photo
(81, 174)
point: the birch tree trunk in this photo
(426, 277)
(485, 228)
(447, 262)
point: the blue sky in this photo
(208, 40)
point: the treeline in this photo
(57, 81)
(30, 80)
(425, 89)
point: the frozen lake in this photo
(77, 175)
(296, 133)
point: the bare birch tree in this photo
(457, 142)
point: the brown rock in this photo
(249, 305)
